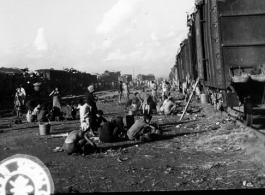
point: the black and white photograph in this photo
(132, 96)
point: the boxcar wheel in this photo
(248, 112)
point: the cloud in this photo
(119, 13)
(116, 55)
(153, 36)
(41, 43)
(106, 44)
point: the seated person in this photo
(100, 118)
(76, 141)
(36, 112)
(170, 107)
(109, 132)
(135, 131)
(42, 116)
(135, 105)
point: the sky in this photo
(131, 36)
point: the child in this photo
(84, 110)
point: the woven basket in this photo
(258, 78)
(240, 79)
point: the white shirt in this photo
(84, 111)
(23, 91)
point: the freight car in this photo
(76, 82)
(228, 41)
(12, 78)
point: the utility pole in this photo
(133, 72)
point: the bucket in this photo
(204, 99)
(44, 128)
(29, 117)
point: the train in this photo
(70, 82)
(225, 49)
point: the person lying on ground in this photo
(100, 118)
(110, 132)
(76, 142)
(134, 132)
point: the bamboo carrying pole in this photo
(186, 107)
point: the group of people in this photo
(92, 123)
(41, 112)
(146, 102)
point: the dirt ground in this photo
(205, 151)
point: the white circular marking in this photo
(23, 174)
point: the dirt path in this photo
(203, 152)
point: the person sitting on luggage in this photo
(135, 131)
(110, 132)
(100, 118)
(42, 116)
(77, 141)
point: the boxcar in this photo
(225, 49)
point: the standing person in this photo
(56, 100)
(91, 101)
(126, 91)
(23, 95)
(18, 102)
(145, 100)
(154, 90)
(84, 110)
(120, 91)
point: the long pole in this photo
(186, 107)
(133, 72)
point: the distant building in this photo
(149, 77)
(125, 78)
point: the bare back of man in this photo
(75, 141)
